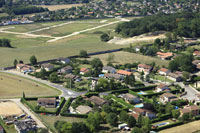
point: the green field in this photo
(12, 86)
(27, 46)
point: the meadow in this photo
(12, 86)
(59, 7)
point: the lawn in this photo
(59, 7)
(126, 57)
(162, 78)
(186, 128)
(50, 120)
(12, 86)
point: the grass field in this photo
(50, 120)
(186, 128)
(126, 57)
(13, 86)
(58, 7)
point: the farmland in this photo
(59, 7)
(13, 86)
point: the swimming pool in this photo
(162, 124)
(139, 105)
(141, 93)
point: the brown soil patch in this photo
(9, 109)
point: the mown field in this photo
(123, 57)
(26, 46)
(58, 7)
(12, 86)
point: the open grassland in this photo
(126, 57)
(186, 128)
(13, 86)
(58, 7)
(50, 120)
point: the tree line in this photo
(186, 24)
(5, 43)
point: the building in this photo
(47, 102)
(97, 100)
(143, 112)
(94, 83)
(164, 71)
(176, 76)
(194, 110)
(65, 70)
(114, 76)
(168, 97)
(124, 73)
(165, 56)
(24, 126)
(81, 109)
(71, 76)
(108, 69)
(47, 67)
(63, 60)
(1, 129)
(196, 53)
(24, 68)
(144, 68)
(84, 71)
(162, 87)
(131, 98)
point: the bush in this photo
(66, 106)
(89, 94)
(162, 117)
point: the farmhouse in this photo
(164, 71)
(124, 73)
(24, 68)
(108, 69)
(81, 109)
(47, 102)
(194, 110)
(162, 87)
(168, 97)
(165, 56)
(144, 68)
(131, 98)
(84, 71)
(63, 60)
(97, 100)
(47, 67)
(64, 70)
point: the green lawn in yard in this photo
(50, 120)
(162, 78)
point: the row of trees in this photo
(5, 43)
(184, 24)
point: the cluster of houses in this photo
(16, 21)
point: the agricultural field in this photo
(59, 7)
(13, 86)
(123, 57)
(26, 46)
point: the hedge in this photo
(89, 94)
(163, 117)
(145, 88)
(66, 106)
(168, 126)
(35, 98)
(75, 115)
(62, 102)
(197, 117)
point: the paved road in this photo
(65, 92)
(39, 123)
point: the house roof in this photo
(111, 75)
(129, 96)
(47, 100)
(138, 110)
(196, 52)
(174, 75)
(123, 72)
(193, 107)
(84, 69)
(145, 66)
(185, 110)
(97, 100)
(47, 65)
(168, 95)
(164, 55)
(162, 86)
(67, 68)
(134, 115)
(83, 109)
(20, 65)
(109, 68)
(195, 62)
(163, 70)
(70, 76)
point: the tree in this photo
(93, 122)
(79, 127)
(123, 116)
(83, 53)
(169, 108)
(175, 114)
(33, 60)
(112, 119)
(105, 37)
(23, 95)
(136, 130)
(54, 77)
(131, 121)
(15, 62)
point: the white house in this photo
(164, 71)
(108, 69)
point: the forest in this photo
(185, 24)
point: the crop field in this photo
(126, 57)
(13, 86)
(30, 39)
(58, 7)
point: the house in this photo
(47, 67)
(64, 70)
(70, 76)
(114, 76)
(196, 53)
(24, 68)
(165, 56)
(63, 60)
(144, 68)
(162, 87)
(47, 102)
(131, 98)
(144, 112)
(194, 110)
(108, 69)
(138, 111)
(81, 109)
(164, 71)
(97, 100)
(24, 126)
(84, 71)
(168, 97)
(94, 83)
(124, 73)
(1, 129)
(176, 76)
